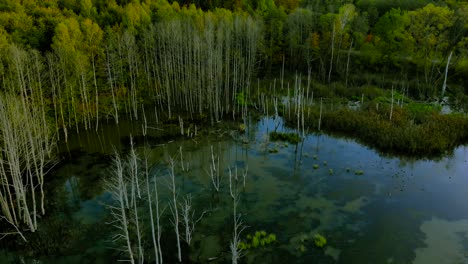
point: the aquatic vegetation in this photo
(273, 150)
(330, 171)
(258, 239)
(292, 138)
(315, 166)
(412, 130)
(301, 242)
(358, 172)
(319, 240)
(325, 163)
(315, 157)
(242, 128)
(302, 248)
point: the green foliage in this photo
(258, 239)
(320, 241)
(136, 16)
(422, 108)
(240, 99)
(273, 19)
(292, 138)
(393, 39)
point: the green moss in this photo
(292, 138)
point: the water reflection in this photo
(370, 208)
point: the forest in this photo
(377, 71)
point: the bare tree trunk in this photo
(118, 189)
(174, 210)
(332, 53)
(444, 86)
(347, 63)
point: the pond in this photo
(370, 208)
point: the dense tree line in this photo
(97, 58)
(172, 56)
(327, 37)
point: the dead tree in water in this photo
(26, 147)
(117, 186)
(236, 252)
(214, 171)
(189, 221)
(174, 209)
(155, 230)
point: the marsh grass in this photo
(415, 129)
(292, 138)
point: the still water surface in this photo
(399, 210)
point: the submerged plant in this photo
(358, 172)
(259, 239)
(315, 166)
(319, 240)
(302, 248)
(273, 150)
(242, 128)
